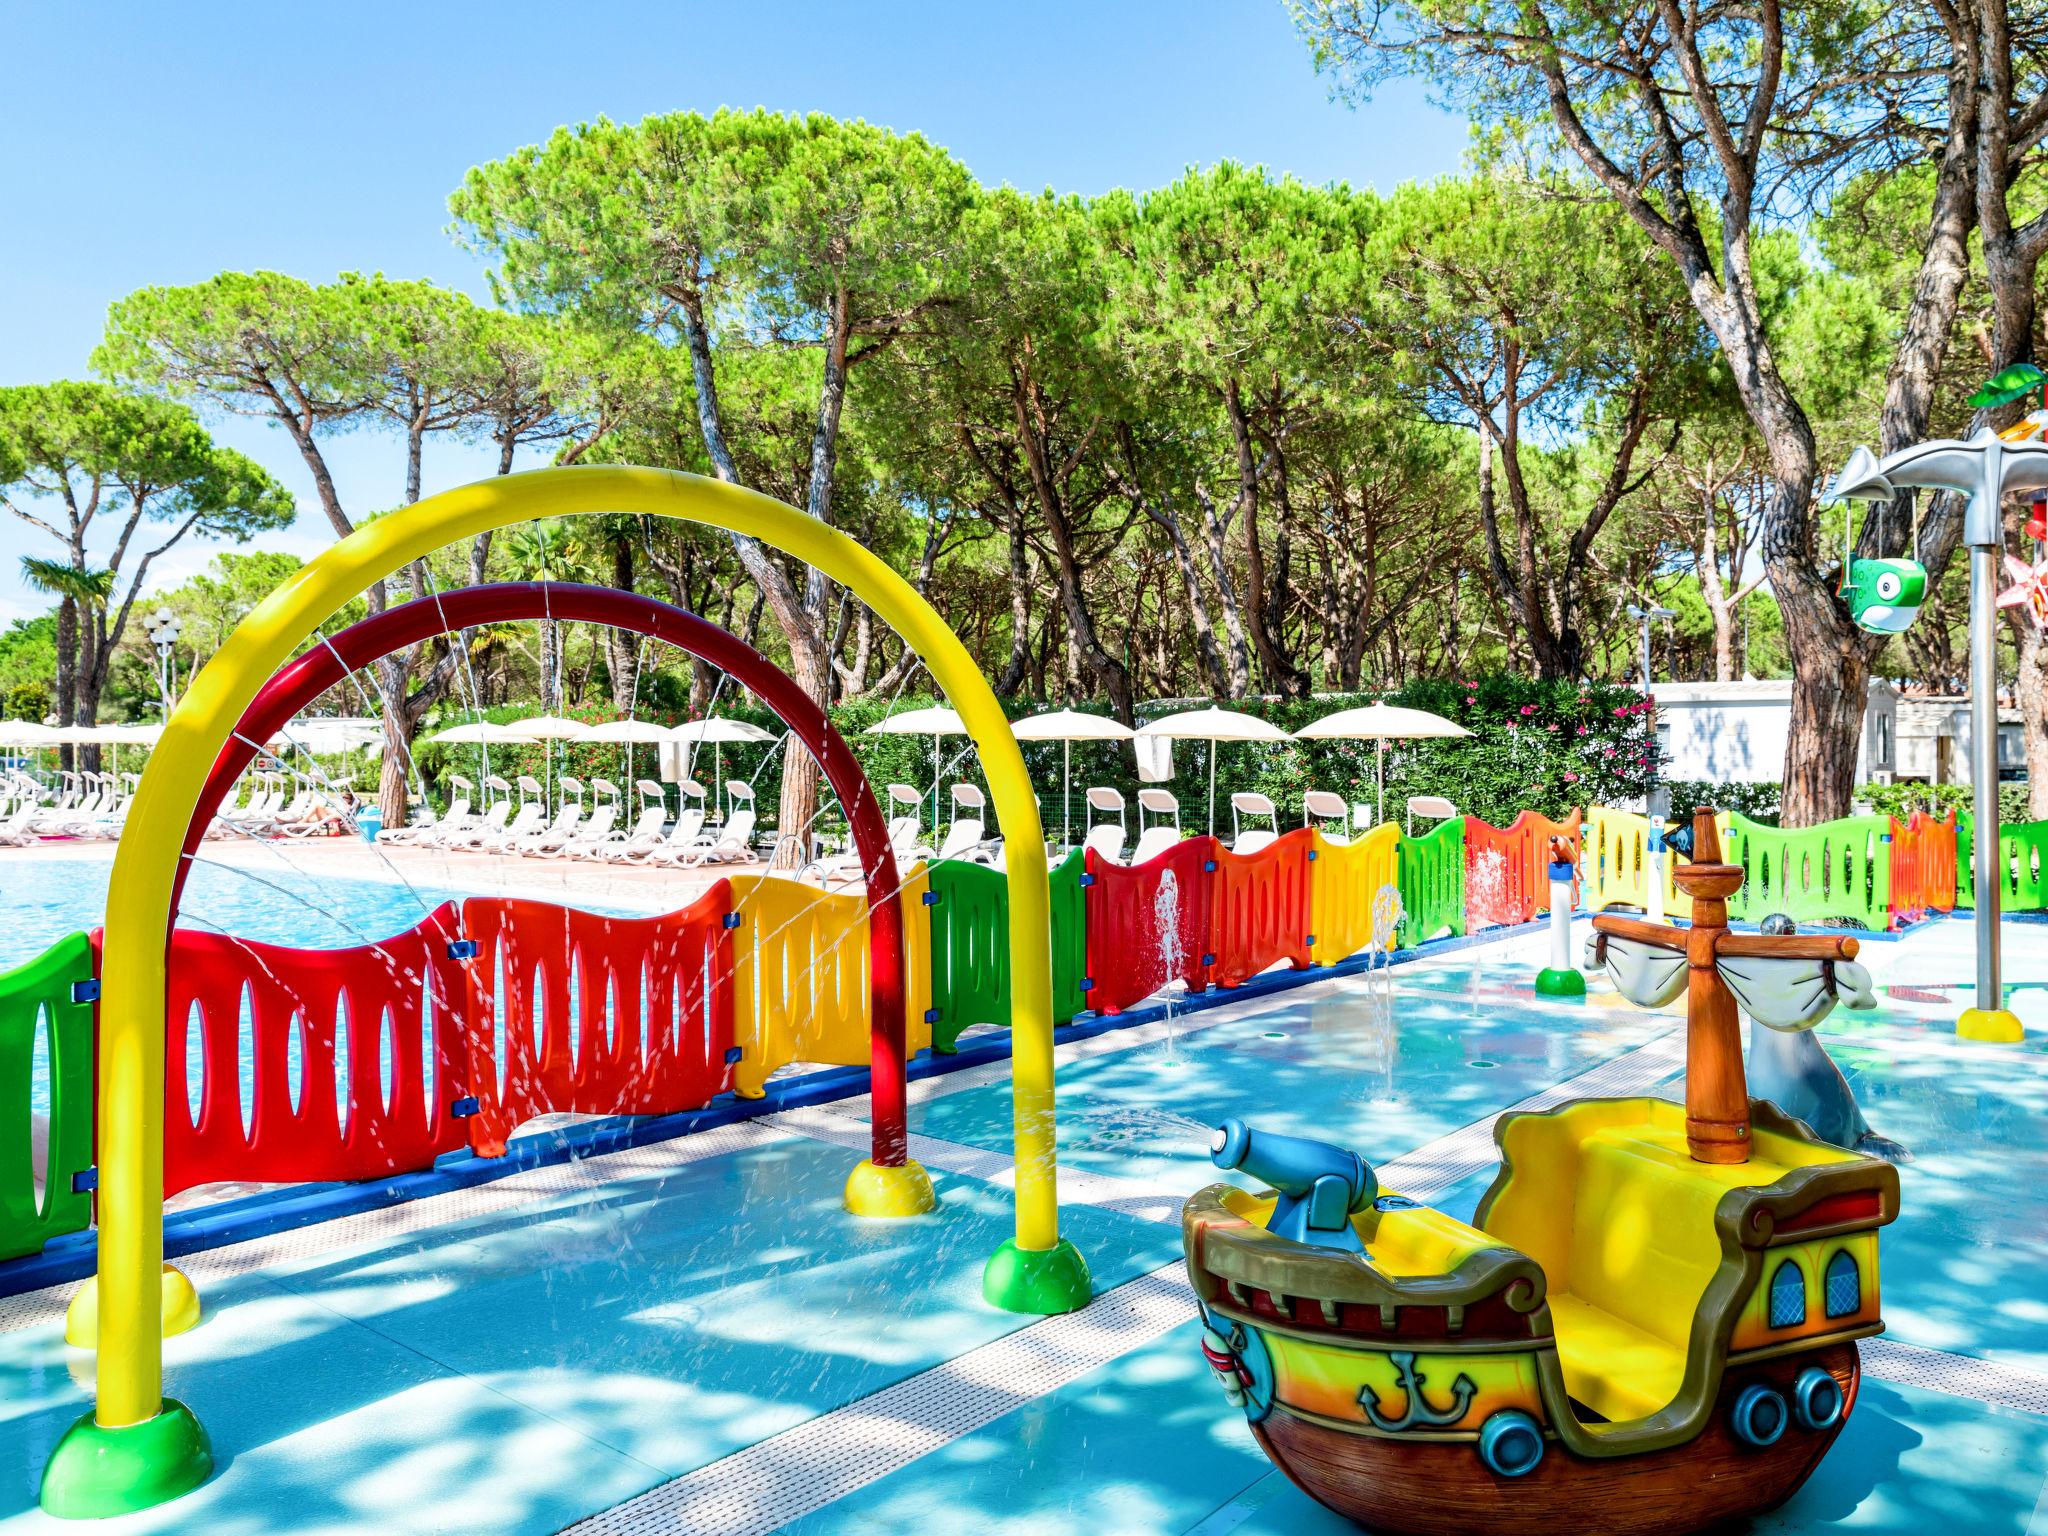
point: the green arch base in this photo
(96, 1472)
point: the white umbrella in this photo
(548, 729)
(1068, 726)
(628, 733)
(933, 721)
(26, 733)
(1213, 725)
(1380, 723)
(472, 732)
(323, 736)
(718, 730)
(640, 731)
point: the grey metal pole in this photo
(1984, 765)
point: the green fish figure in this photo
(1884, 596)
(2008, 385)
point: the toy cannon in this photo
(1320, 1187)
(1650, 1324)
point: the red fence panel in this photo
(1261, 911)
(571, 1011)
(1507, 869)
(339, 1044)
(1923, 873)
(1149, 923)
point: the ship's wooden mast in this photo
(1716, 1088)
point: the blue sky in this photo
(143, 147)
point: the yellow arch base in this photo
(1037, 1272)
(872, 1190)
(82, 1316)
(1990, 1026)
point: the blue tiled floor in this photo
(513, 1372)
(1455, 1041)
(1146, 1445)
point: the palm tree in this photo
(549, 550)
(80, 590)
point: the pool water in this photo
(276, 901)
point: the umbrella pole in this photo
(1066, 795)
(1212, 786)
(935, 787)
(1380, 772)
(718, 779)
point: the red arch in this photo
(324, 665)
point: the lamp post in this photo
(1654, 842)
(1988, 470)
(161, 627)
(1647, 615)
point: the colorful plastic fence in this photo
(2023, 864)
(1614, 864)
(1432, 882)
(800, 976)
(969, 911)
(1838, 871)
(361, 1063)
(287, 1065)
(1354, 892)
(1149, 924)
(575, 1012)
(1507, 869)
(1923, 867)
(1259, 914)
(46, 1038)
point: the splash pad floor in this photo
(691, 1336)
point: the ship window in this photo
(1788, 1296)
(1845, 1286)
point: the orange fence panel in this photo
(1507, 878)
(1260, 909)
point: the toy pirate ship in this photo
(1649, 1326)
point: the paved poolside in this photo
(692, 1336)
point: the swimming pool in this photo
(276, 901)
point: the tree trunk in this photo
(1019, 576)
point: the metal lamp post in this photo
(1648, 615)
(1654, 842)
(161, 628)
(1988, 470)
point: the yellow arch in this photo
(1035, 1270)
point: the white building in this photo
(1736, 733)
(1934, 740)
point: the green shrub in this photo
(1901, 800)
(1757, 802)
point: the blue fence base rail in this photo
(74, 1256)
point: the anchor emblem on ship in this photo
(1418, 1414)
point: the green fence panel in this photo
(1432, 882)
(2023, 855)
(1839, 871)
(970, 912)
(1069, 939)
(37, 999)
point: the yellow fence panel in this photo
(1345, 880)
(800, 975)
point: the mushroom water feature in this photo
(1986, 468)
